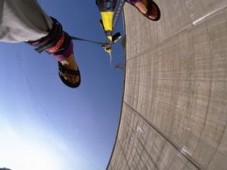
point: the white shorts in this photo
(22, 20)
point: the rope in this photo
(94, 42)
(87, 40)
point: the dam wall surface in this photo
(174, 109)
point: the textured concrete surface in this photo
(174, 110)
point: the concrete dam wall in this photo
(174, 109)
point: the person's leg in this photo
(59, 43)
(24, 20)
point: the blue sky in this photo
(45, 125)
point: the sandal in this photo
(152, 9)
(62, 70)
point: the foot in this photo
(141, 6)
(70, 63)
(148, 8)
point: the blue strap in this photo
(117, 12)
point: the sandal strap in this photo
(106, 5)
(68, 71)
(150, 7)
(64, 70)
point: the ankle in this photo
(57, 42)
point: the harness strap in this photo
(57, 42)
(106, 5)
